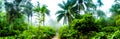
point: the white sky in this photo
(107, 5)
(53, 7)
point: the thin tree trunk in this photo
(28, 22)
(69, 18)
(43, 19)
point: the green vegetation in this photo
(82, 19)
(43, 32)
(88, 28)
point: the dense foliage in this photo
(85, 24)
(83, 19)
(43, 32)
(88, 28)
(66, 33)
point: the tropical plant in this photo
(86, 24)
(27, 8)
(100, 14)
(72, 8)
(115, 9)
(66, 33)
(40, 32)
(41, 11)
(65, 12)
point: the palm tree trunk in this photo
(43, 19)
(69, 18)
(69, 21)
(28, 22)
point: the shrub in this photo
(102, 22)
(12, 29)
(66, 33)
(118, 22)
(42, 32)
(99, 35)
(7, 30)
(116, 35)
(117, 18)
(86, 24)
(8, 37)
(109, 29)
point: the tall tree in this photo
(12, 9)
(73, 8)
(100, 13)
(27, 8)
(16, 8)
(41, 11)
(65, 12)
(115, 9)
(88, 6)
(84, 5)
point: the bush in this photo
(118, 22)
(99, 35)
(7, 30)
(109, 29)
(102, 22)
(117, 35)
(86, 24)
(42, 32)
(83, 28)
(13, 28)
(117, 18)
(66, 33)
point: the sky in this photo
(53, 7)
(107, 5)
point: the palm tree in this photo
(44, 11)
(86, 6)
(27, 9)
(115, 9)
(17, 8)
(12, 9)
(72, 8)
(65, 12)
(41, 11)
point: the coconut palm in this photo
(72, 8)
(86, 6)
(17, 8)
(115, 9)
(65, 12)
(41, 11)
(27, 9)
(12, 9)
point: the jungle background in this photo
(77, 19)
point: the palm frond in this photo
(61, 6)
(59, 17)
(60, 11)
(48, 12)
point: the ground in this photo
(56, 36)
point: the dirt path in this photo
(56, 36)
